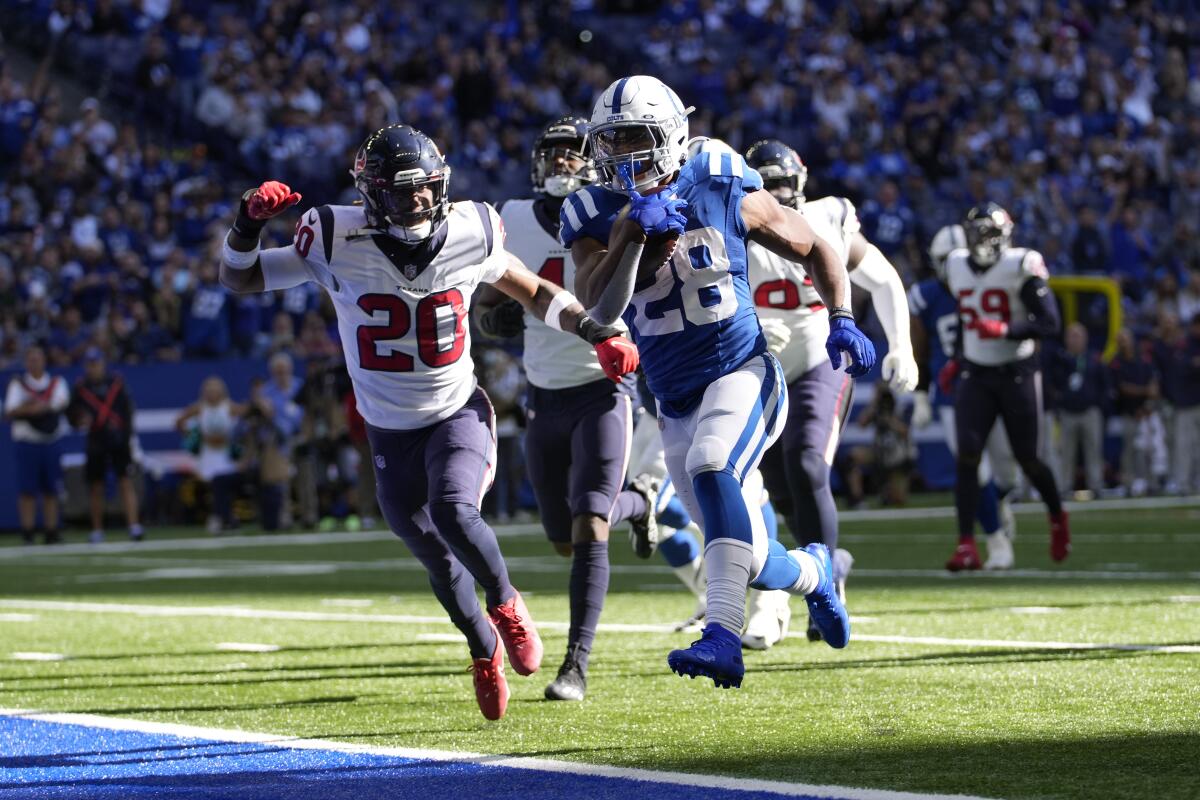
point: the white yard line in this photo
(36, 656)
(730, 784)
(247, 647)
(241, 612)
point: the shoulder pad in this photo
(584, 209)
(705, 165)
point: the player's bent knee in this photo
(589, 528)
(451, 516)
(707, 454)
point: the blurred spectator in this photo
(264, 455)
(889, 460)
(1180, 363)
(208, 425)
(280, 392)
(1143, 437)
(320, 467)
(1080, 383)
(35, 403)
(101, 404)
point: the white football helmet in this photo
(638, 125)
(946, 240)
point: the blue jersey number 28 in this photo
(701, 267)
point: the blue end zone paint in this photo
(51, 760)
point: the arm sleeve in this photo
(1043, 318)
(876, 274)
(308, 257)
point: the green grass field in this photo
(955, 684)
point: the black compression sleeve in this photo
(1043, 318)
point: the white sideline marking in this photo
(35, 656)
(730, 784)
(348, 602)
(1185, 598)
(439, 637)
(1036, 610)
(18, 617)
(1036, 574)
(248, 647)
(938, 640)
(241, 612)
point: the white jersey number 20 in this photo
(706, 292)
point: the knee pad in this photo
(707, 454)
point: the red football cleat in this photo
(966, 557)
(1060, 536)
(520, 637)
(491, 687)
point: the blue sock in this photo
(587, 587)
(780, 572)
(680, 549)
(674, 515)
(988, 513)
(771, 520)
(724, 508)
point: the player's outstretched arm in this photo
(559, 309)
(871, 270)
(242, 263)
(786, 233)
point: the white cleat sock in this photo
(810, 572)
(727, 562)
(1000, 551)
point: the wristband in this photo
(593, 332)
(238, 259)
(841, 312)
(558, 304)
(246, 226)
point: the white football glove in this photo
(900, 371)
(922, 410)
(778, 334)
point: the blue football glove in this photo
(656, 213)
(845, 337)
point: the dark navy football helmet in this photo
(390, 167)
(559, 164)
(784, 174)
(988, 228)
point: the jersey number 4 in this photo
(441, 335)
(701, 265)
(992, 302)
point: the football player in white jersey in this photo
(1004, 308)
(400, 270)
(935, 334)
(580, 424)
(796, 323)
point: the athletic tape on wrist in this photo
(238, 259)
(558, 304)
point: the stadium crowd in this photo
(1086, 126)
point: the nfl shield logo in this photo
(381, 462)
(410, 271)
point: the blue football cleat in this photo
(717, 654)
(824, 606)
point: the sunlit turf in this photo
(1000, 721)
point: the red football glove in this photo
(991, 328)
(618, 356)
(947, 375)
(270, 200)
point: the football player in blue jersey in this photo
(934, 331)
(660, 241)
